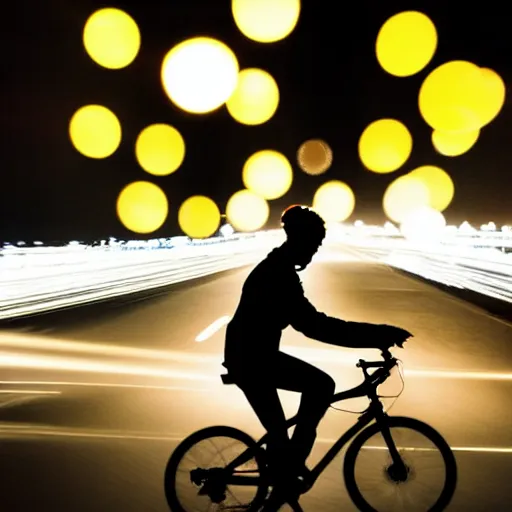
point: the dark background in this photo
(331, 87)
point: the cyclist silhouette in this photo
(273, 298)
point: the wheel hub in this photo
(398, 473)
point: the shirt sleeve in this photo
(314, 324)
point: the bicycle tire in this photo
(201, 435)
(433, 435)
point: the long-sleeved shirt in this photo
(273, 299)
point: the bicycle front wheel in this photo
(196, 478)
(425, 483)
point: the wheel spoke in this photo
(214, 448)
(422, 449)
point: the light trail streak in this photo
(103, 273)
(40, 343)
(475, 449)
(65, 383)
(27, 392)
(32, 430)
(76, 365)
(464, 375)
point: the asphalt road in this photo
(93, 401)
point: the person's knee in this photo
(325, 386)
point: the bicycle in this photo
(247, 468)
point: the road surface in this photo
(92, 406)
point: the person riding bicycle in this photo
(272, 299)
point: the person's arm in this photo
(334, 331)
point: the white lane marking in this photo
(213, 328)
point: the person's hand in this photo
(390, 335)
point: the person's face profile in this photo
(305, 250)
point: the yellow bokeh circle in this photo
(199, 217)
(142, 207)
(199, 74)
(160, 149)
(268, 173)
(334, 201)
(406, 43)
(453, 97)
(314, 157)
(403, 196)
(255, 99)
(111, 38)
(454, 143)
(266, 21)
(247, 211)
(493, 97)
(385, 145)
(438, 183)
(95, 131)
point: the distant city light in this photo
(227, 230)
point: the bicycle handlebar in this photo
(382, 373)
(387, 356)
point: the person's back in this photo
(264, 310)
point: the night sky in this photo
(331, 87)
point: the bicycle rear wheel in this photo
(195, 479)
(376, 485)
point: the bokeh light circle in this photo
(334, 201)
(438, 183)
(142, 207)
(314, 157)
(385, 145)
(403, 196)
(266, 21)
(406, 43)
(454, 143)
(452, 97)
(493, 97)
(255, 99)
(424, 225)
(199, 74)
(95, 131)
(160, 149)
(268, 173)
(199, 217)
(111, 38)
(247, 211)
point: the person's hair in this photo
(301, 222)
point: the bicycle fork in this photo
(398, 471)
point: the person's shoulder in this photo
(272, 265)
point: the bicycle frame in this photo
(375, 411)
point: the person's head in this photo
(305, 231)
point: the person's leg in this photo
(317, 389)
(264, 400)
